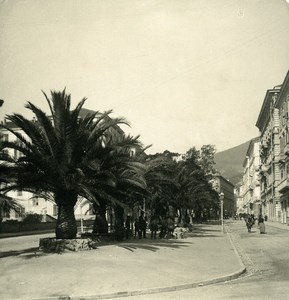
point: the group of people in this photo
(140, 227)
(250, 221)
(165, 226)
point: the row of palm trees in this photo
(65, 156)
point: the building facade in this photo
(251, 184)
(282, 105)
(240, 203)
(268, 125)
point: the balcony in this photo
(283, 186)
(286, 149)
(282, 158)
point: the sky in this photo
(184, 73)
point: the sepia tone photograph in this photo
(144, 149)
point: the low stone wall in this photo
(15, 226)
(61, 245)
(12, 227)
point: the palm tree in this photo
(160, 176)
(61, 156)
(196, 192)
(125, 179)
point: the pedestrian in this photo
(249, 222)
(136, 228)
(164, 227)
(154, 226)
(171, 228)
(127, 227)
(142, 227)
(261, 225)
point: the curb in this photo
(162, 289)
(235, 250)
(152, 290)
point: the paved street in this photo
(267, 260)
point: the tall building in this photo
(251, 184)
(282, 105)
(268, 125)
(240, 203)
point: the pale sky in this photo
(184, 73)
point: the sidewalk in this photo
(277, 225)
(133, 267)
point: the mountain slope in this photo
(230, 162)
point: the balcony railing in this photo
(286, 149)
(283, 185)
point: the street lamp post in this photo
(81, 218)
(221, 195)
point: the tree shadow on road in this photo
(204, 231)
(154, 244)
(24, 253)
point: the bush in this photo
(32, 219)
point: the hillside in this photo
(230, 162)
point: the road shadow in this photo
(154, 244)
(204, 230)
(24, 253)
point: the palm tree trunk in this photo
(100, 225)
(66, 227)
(119, 223)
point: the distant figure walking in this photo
(127, 227)
(142, 227)
(261, 225)
(136, 228)
(154, 226)
(249, 222)
(171, 228)
(164, 227)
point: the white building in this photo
(251, 185)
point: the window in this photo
(19, 193)
(282, 172)
(20, 213)
(132, 152)
(90, 209)
(4, 137)
(35, 202)
(55, 210)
